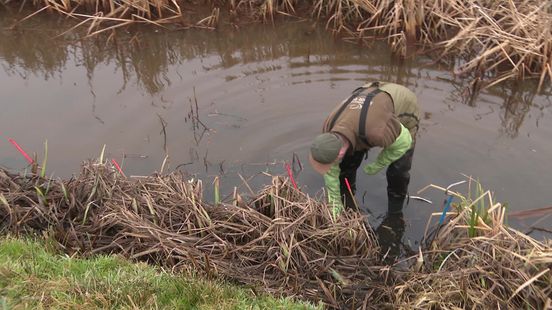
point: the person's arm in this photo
(331, 180)
(391, 153)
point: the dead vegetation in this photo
(485, 40)
(282, 241)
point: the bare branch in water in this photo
(164, 132)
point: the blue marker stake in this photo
(447, 206)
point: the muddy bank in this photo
(283, 241)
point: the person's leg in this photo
(389, 234)
(398, 177)
(349, 166)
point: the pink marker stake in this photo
(290, 174)
(348, 185)
(351, 192)
(27, 157)
(117, 166)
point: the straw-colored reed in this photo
(283, 241)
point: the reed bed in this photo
(485, 40)
(282, 241)
(473, 260)
(505, 270)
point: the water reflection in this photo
(30, 50)
(145, 56)
(519, 101)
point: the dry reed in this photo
(282, 240)
(474, 260)
(489, 41)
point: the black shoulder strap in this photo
(364, 113)
(344, 105)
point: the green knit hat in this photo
(325, 148)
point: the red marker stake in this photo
(27, 157)
(117, 166)
(351, 192)
(288, 168)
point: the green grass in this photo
(32, 277)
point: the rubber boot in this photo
(395, 204)
(389, 234)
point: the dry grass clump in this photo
(283, 241)
(115, 9)
(490, 40)
(505, 270)
(511, 39)
(473, 260)
(103, 15)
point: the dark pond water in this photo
(246, 101)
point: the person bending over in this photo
(378, 114)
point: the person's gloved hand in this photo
(391, 153)
(373, 168)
